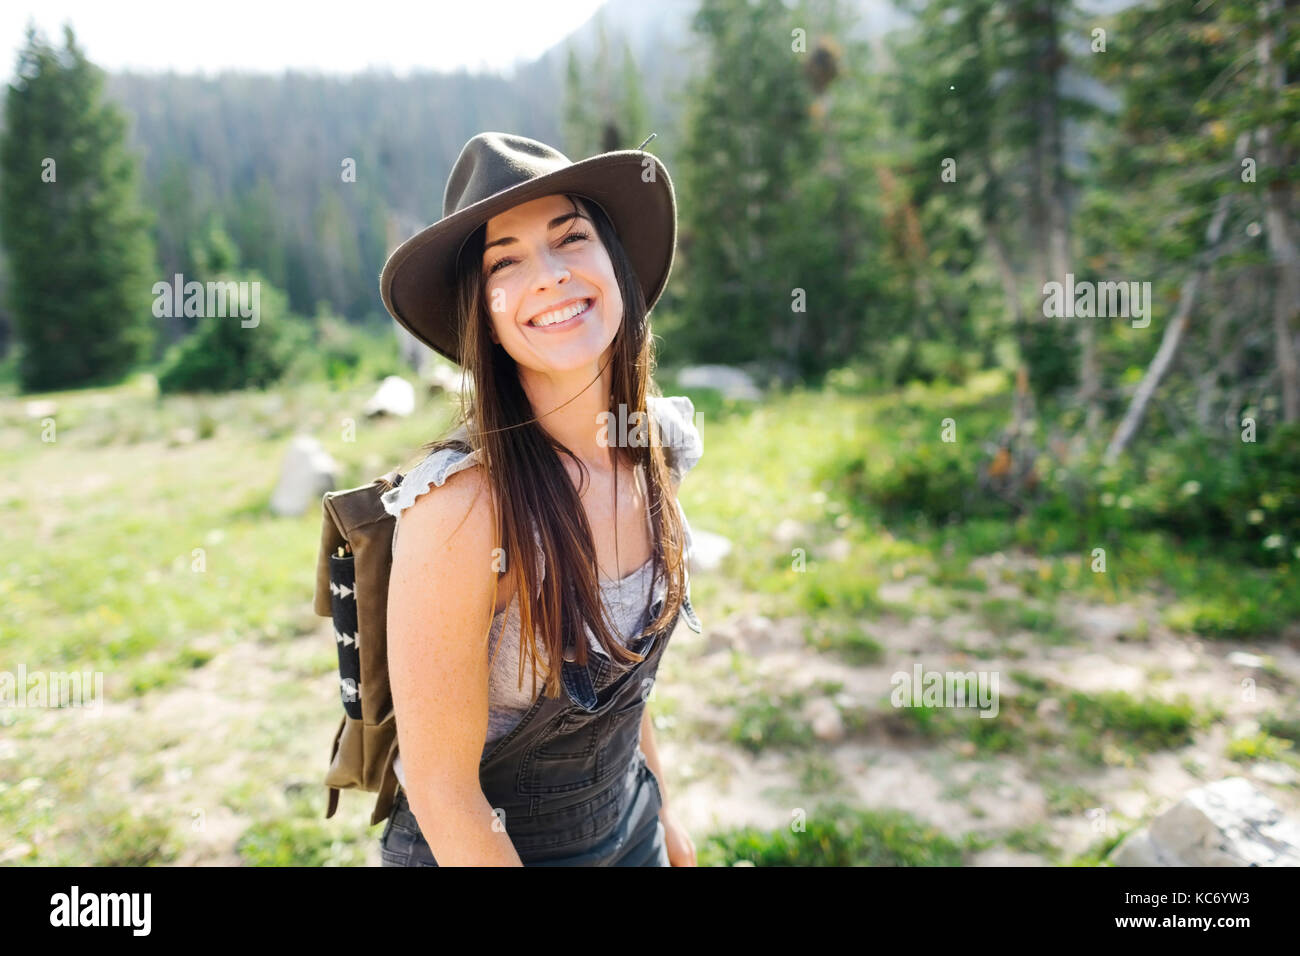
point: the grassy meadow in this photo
(138, 544)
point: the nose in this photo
(551, 270)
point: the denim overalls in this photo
(570, 782)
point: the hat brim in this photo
(417, 283)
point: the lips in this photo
(586, 304)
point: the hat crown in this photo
(494, 162)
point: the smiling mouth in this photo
(586, 307)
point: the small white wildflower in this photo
(1190, 488)
(1125, 502)
(1107, 499)
(1255, 515)
(1273, 542)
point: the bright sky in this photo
(331, 36)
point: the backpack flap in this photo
(331, 539)
(354, 588)
(368, 529)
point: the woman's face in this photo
(542, 263)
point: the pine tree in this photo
(1207, 141)
(989, 110)
(748, 140)
(80, 254)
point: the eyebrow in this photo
(557, 221)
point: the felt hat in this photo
(497, 171)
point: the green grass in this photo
(1111, 727)
(1004, 616)
(1286, 726)
(1011, 731)
(1066, 798)
(899, 478)
(1261, 746)
(1099, 852)
(838, 835)
(817, 773)
(124, 838)
(764, 720)
(146, 548)
(1031, 839)
(140, 559)
(153, 675)
(1118, 719)
(298, 842)
(850, 641)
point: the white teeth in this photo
(550, 318)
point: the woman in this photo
(538, 280)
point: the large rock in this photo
(825, 718)
(708, 550)
(730, 381)
(1252, 662)
(1226, 823)
(1107, 623)
(396, 396)
(789, 531)
(444, 377)
(307, 473)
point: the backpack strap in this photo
(387, 790)
(387, 793)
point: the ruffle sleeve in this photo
(683, 445)
(434, 472)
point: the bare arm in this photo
(648, 746)
(652, 755)
(439, 611)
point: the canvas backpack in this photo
(352, 590)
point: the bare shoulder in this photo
(450, 519)
(448, 538)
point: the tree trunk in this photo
(1174, 331)
(1221, 356)
(1059, 260)
(1002, 262)
(1052, 185)
(1274, 156)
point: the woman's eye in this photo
(507, 260)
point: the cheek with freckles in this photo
(498, 308)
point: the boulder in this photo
(1226, 823)
(443, 377)
(396, 396)
(708, 550)
(790, 531)
(839, 550)
(1248, 661)
(732, 382)
(825, 718)
(307, 473)
(1107, 623)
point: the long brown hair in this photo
(529, 482)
